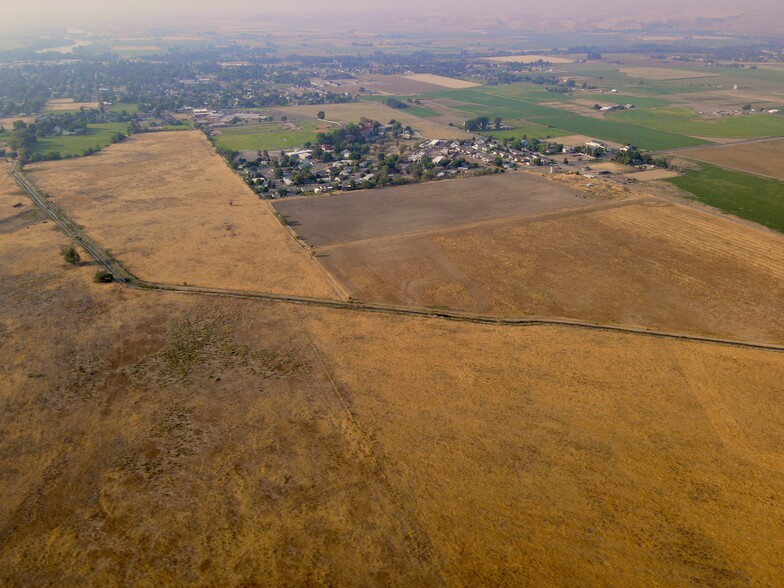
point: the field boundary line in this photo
(126, 278)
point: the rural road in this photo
(123, 276)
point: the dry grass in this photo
(652, 175)
(643, 263)
(664, 73)
(442, 81)
(177, 440)
(59, 104)
(353, 111)
(759, 157)
(171, 210)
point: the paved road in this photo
(123, 276)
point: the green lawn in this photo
(751, 197)
(100, 135)
(269, 136)
(619, 132)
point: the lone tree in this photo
(71, 255)
(321, 114)
(103, 277)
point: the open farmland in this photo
(98, 136)
(758, 157)
(327, 220)
(442, 81)
(532, 59)
(751, 197)
(269, 136)
(226, 441)
(664, 73)
(168, 207)
(639, 260)
(353, 111)
(67, 105)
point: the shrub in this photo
(103, 277)
(71, 255)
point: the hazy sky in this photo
(75, 12)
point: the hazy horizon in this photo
(568, 14)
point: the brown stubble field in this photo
(757, 157)
(168, 208)
(638, 260)
(152, 438)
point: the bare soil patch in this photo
(442, 81)
(652, 175)
(759, 157)
(327, 220)
(170, 209)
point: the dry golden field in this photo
(442, 81)
(174, 440)
(640, 261)
(759, 157)
(170, 209)
(58, 104)
(652, 175)
(353, 111)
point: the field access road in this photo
(123, 276)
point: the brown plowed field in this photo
(170, 209)
(759, 157)
(326, 220)
(639, 262)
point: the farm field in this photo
(275, 135)
(353, 111)
(639, 261)
(664, 73)
(99, 136)
(532, 59)
(688, 122)
(759, 157)
(757, 199)
(529, 129)
(129, 107)
(67, 105)
(341, 448)
(621, 132)
(168, 207)
(441, 81)
(327, 220)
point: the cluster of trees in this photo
(637, 157)
(482, 123)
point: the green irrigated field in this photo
(482, 102)
(529, 129)
(750, 197)
(100, 135)
(619, 132)
(276, 135)
(688, 122)
(129, 107)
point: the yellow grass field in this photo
(175, 439)
(531, 59)
(664, 73)
(759, 157)
(171, 210)
(442, 81)
(353, 111)
(60, 104)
